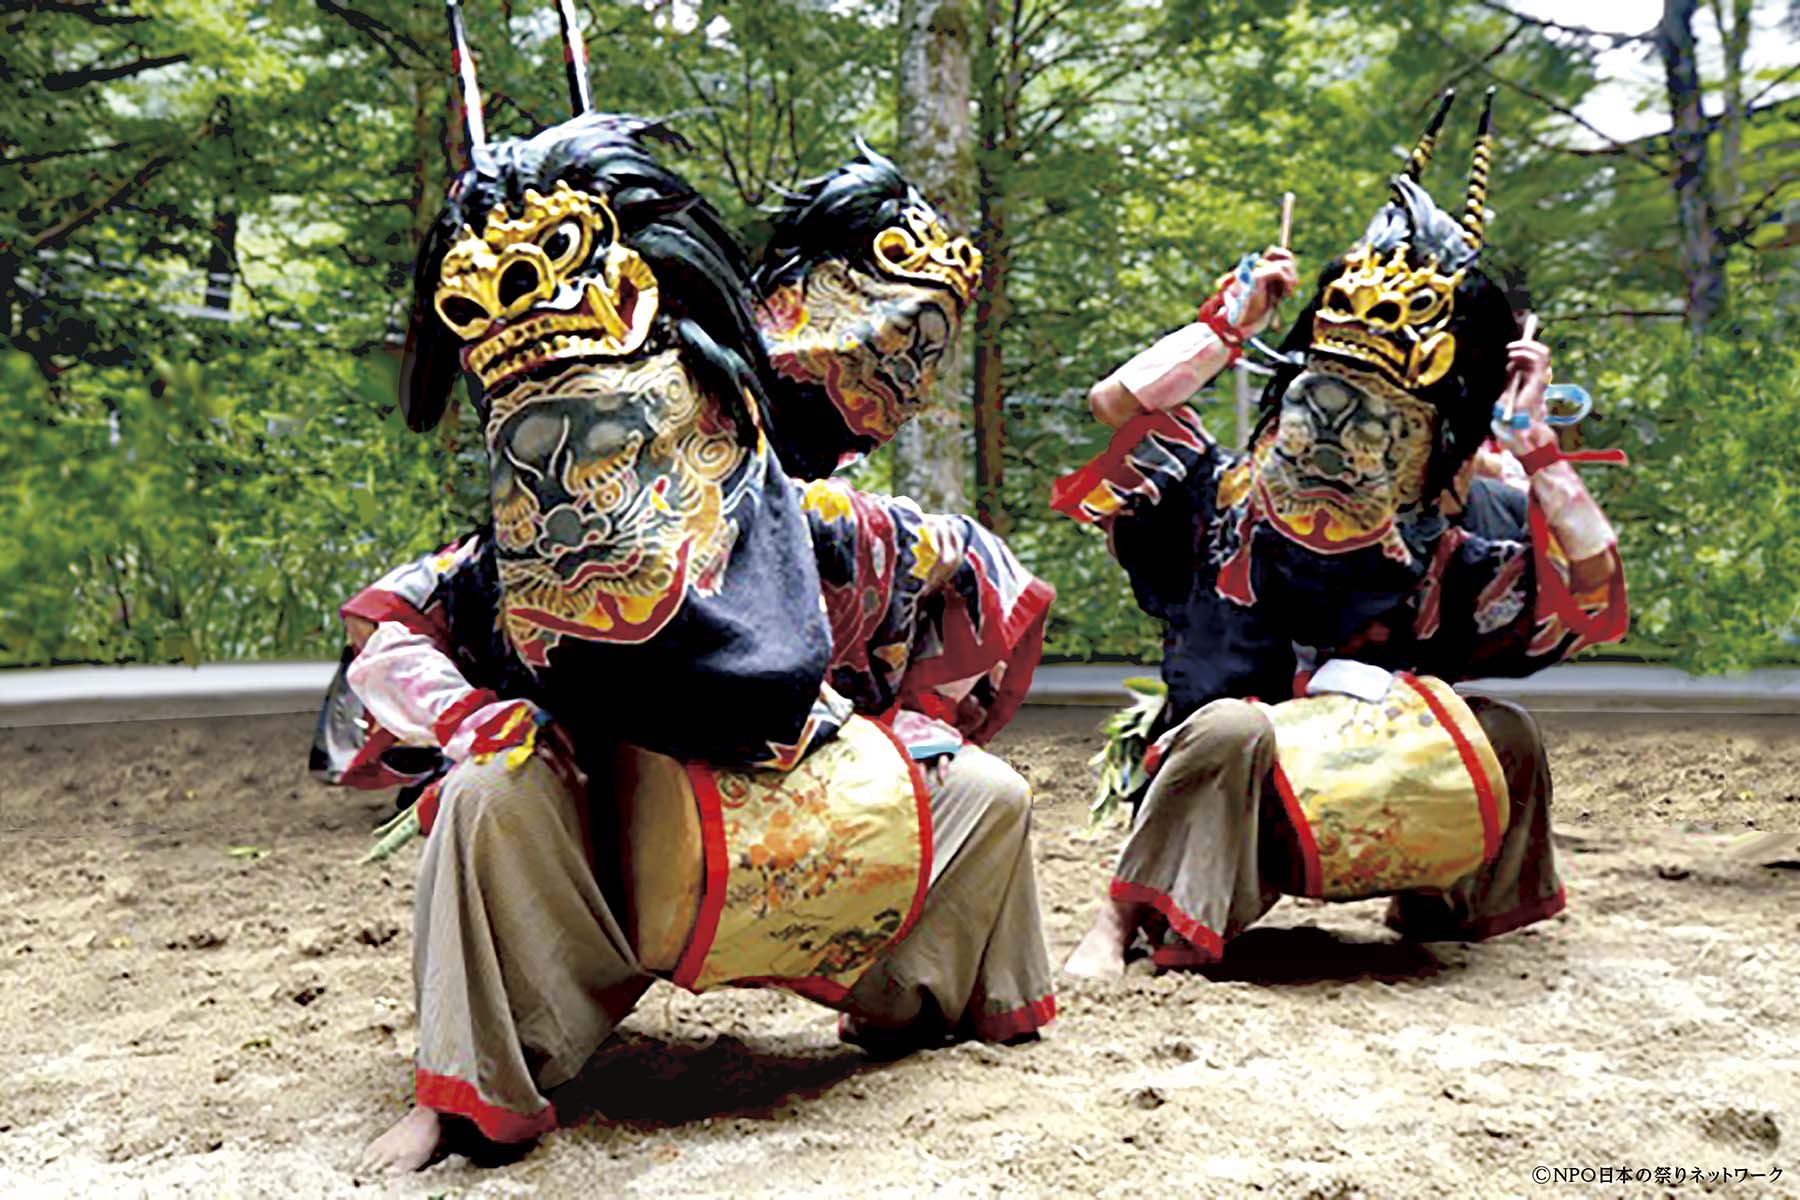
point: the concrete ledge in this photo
(92, 695)
(95, 695)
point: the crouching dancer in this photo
(1319, 590)
(673, 715)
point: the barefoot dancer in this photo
(1356, 541)
(639, 706)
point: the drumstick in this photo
(1287, 218)
(1525, 335)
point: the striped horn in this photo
(1420, 157)
(1475, 209)
(575, 59)
(468, 91)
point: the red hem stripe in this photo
(1526, 914)
(1484, 787)
(1314, 871)
(712, 897)
(448, 1094)
(1067, 493)
(1196, 933)
(1027, 1018)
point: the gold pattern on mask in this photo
(526, 291)
(921, 248)
(1390, 316)
(1385, 443)
(655, 504)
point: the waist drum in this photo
(1391, 795)
(794, 878)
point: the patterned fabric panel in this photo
(1402, 793)
(810, 873)
(928, 610)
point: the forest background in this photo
(208, 210)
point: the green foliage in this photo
(1704, 520)
(179, 487)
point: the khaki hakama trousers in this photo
(1211, 850)
(521, 970)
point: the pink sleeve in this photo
(414, 690)
(1171, 370)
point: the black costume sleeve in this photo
(1152, 491)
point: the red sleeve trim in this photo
(1027, 1018)
(377, 605)
(1484, 787)
(458, 1097)
(1203, 939)
(1312, 871)
(1068, 492)
(445, 727)
(718, 870)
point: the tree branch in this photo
(379, 31)
(1554, 106)
(93, 14)
(26, 160)
(63, 81)
(1617, 39)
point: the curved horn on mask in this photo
(1421, 153)
(468, 91)
(1475, 209)
(575, 59)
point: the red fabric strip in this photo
(1313, 879)
(445, 727)
(427, 806)
(1553, 594)
(712, 898)
(1199, 935)
(1028, 1018)
(1527, 913)
(374, 604)
(1484, 787)
(922, 798)
(448, 1094)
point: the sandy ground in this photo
(199, 994)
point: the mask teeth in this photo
(1420, 157)
(1475, 210)
(575, 59)
(468, 90)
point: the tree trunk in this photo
(221, 260)
(1702, 251)
(991, 303)
(1733, 19)
(930, 462)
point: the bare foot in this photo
(409, 1145)
(1101, 954)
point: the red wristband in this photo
(1212, 315)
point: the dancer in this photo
(639, 712)
(1363, 551)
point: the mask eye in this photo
(561, 243)
(463, 314)
(1421, 301)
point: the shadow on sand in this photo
(1304, 954)
(652, 1083)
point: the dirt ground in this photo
(200, 995)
